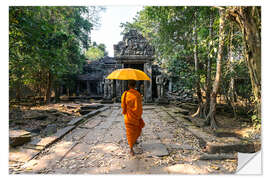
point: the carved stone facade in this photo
(135, 52)
(92, 81)
(133, 44)
(132, 52)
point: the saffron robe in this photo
(132, 110)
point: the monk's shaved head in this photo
(131, 83)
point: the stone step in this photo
(91, 106)
(155, 149)
(45, 142)
(19, 137)
(220, 156)
(91, 114)
(21, 154)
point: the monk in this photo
(132, 110)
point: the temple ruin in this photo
(132, 52)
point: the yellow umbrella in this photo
(128, 74)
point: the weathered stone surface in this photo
(16, 133)
(51, 139)
(60, 133)
(35, 147)
(181, 111)
(221, 156)
(227, 148)
(49, 160)
(35, 115)
(36, 130)
(133, 44)
(186, 147)
(92, 106)
(84, 112)
(50, 129)
(19, 137)
(21, 154)
(213, 144)
(76, 134)
(97, 135)
(107, 101)
(155, 149)
(88, 115)
(92, 123)
(44, 141)
(51, 111)
(185, 169)
(76, 120)
(71, 107)
(105, 150)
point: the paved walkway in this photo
(99, 146)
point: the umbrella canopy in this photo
(128, 74)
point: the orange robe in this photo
(132, 110)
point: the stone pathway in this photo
(99, 146)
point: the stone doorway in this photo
(139, 84)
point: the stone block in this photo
(19, 137)
(50, 129)
(21, 154)
(155, 149)
(92, 106)
(76, 120)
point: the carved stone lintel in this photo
(133, 44)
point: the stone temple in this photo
(132, 52)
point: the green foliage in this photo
(170, 31)
(96, 51)
(46, 40)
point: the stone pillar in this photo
(122, 83)
(148, 84)
(100, 87)
(97, 87)
(114, 88)
(159, 84)
(118, 88)
(105, 89)
(110, 89)
(170, 85)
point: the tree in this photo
(190, 42)
(211, 115)
(45, 44)
(249, 21)
(96, 51)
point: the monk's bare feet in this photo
(131, 152)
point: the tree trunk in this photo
(209, 65)
(18, 93)
(57, 94)
(48, 88)
(231, 92)
(199, 112)
(212, 113)
(249, 20)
